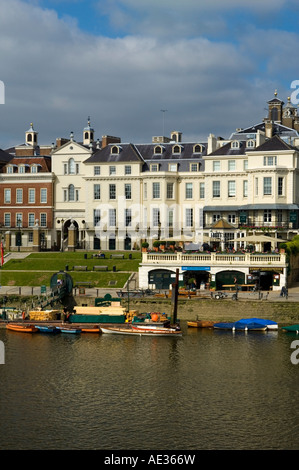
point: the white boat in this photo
(141, 332)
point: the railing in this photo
(214, 258)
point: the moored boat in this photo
(142, 332)
(291, 328)
(270, 324)
(92, 329)
(22, 328)
(65, 329)
(256, 326)
(47, 329)
(224, 326)
(200, 324)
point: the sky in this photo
(143, 68)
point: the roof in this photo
(4, 156)
(274, 143)
(125, 153)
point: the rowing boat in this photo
(47, 329)
(93, 329)
(200, 324)
(142, 332)
(22, 328)
(65, 329)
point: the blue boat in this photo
(250, 325)
(47, 329)
(65, 329)
(270, 324)
(224, 326)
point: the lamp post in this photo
(19, 223)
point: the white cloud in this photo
(55, 76)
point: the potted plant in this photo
(144, 246)
(156, 245)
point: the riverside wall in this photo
(283, 311)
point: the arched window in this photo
(29, 138)
(72, 166)
(197, 148)
(71, 192)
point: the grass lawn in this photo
(38, 268)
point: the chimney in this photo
(109, 139)
(212, 143)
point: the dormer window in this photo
(21, 169)
(158, 149)
(235, 144)
(9, 169)
(154, 167)
(176, 149)
(115, 149)
(198, 148)
(250, 143)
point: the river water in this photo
(207, 390)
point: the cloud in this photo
(56, 75)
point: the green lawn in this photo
(38, 268)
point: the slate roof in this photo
(275, 143)
(4, 156)
(145, 153)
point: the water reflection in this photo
(206, 390)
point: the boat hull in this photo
(141, 332)
(291, 328)
(47, 329)
(200, 324)
(74, 331)
(22, 328)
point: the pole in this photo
(174, 298)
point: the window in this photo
(30, 237)
(19, 220)
(250, 143)
(96, 216)
(245, 165)
(156, 217)
(216, 188)
(267, 215)
(71, 166)
(201, 190)
(189, 191)
(156, 190)
(112, 217)
(128, 169)
(256, 184)
(96, 191)
(155, 167)
(170, 218)
(114, 149)
(9, 169)
(158, 149)
(197, 148)
(216, 165)
(194, 167)
(112, 170)
(235, 144)
(270, 161)
(189, 217)
(21, 169)
(232, 218)
(71, 192)
(231, 189)
(19, 196)
(267, 186)
(172, 167)
(245, 188)
(279, 216)
(31, 195)
(169, 190)
(43, 220)
(7, 219)
(7, 196)
(97, 170)
(112, 191)
(231, 165)
(30, 220)
(280, 186)
(145, 190)
(176, 149)
(34, 169)
(43, 195)
(128, 217)
(216, 217)
(128, 191)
